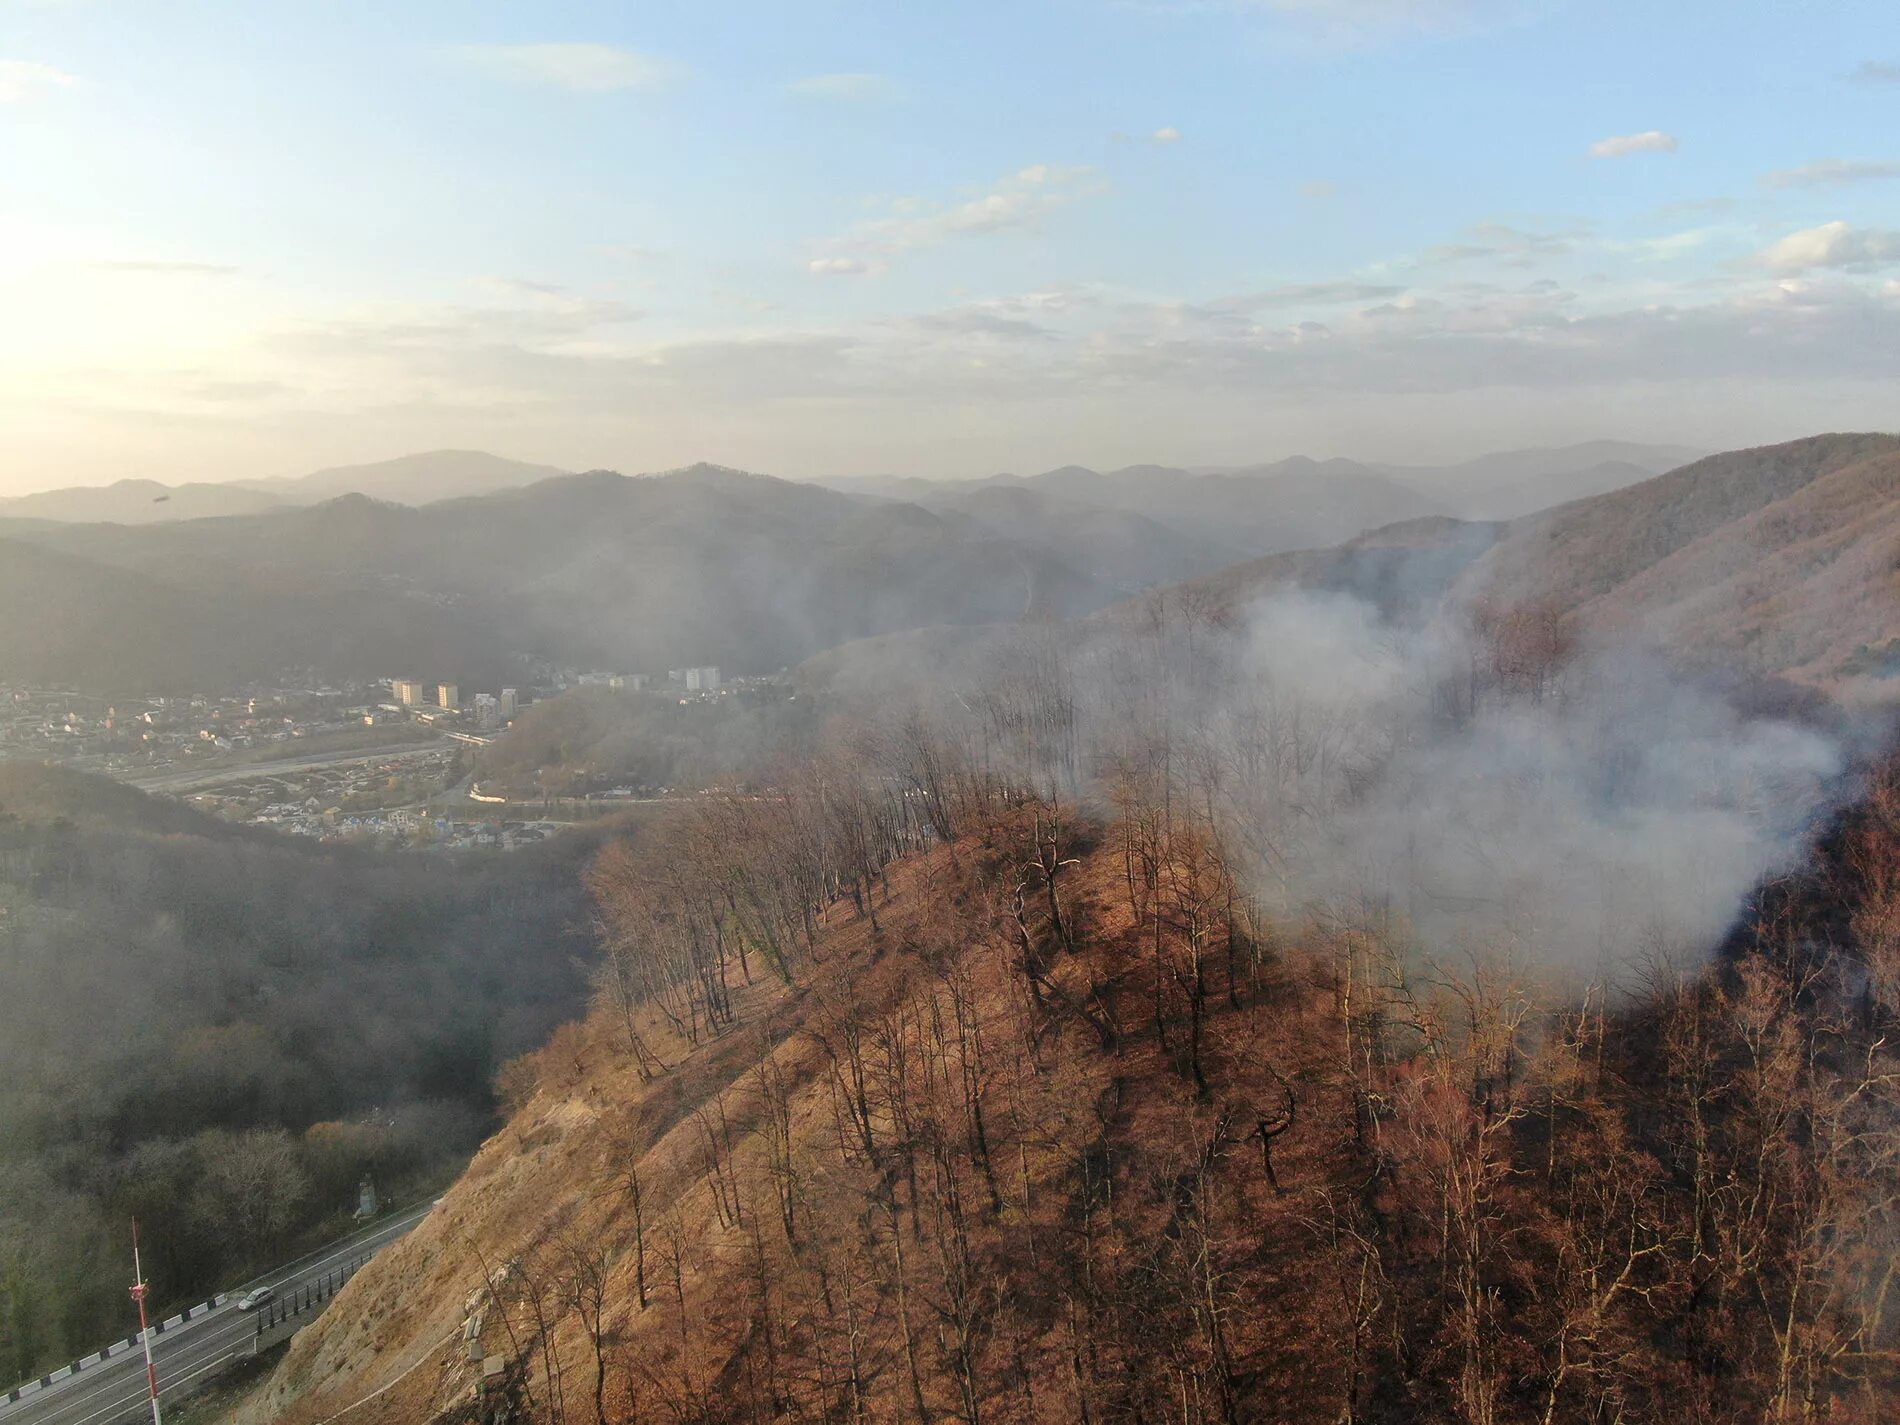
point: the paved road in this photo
(198, 778)
(113, 1391)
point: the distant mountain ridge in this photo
(418, 479)
(1293, 504)
(1305, 503)
(1320, 500)
(138, 502)
(1782, 560)
(1519, 482)
(703, 565)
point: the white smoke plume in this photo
(1619, 815)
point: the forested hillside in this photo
(1780, 559)
(220, 1031)
(1273, 1018)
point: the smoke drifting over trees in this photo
(1298, 1015)
(1575, 811)
(1484, 777)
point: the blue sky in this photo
(828, 238)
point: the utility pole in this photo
(145, 1329)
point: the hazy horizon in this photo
(999, 237)
(971, 476)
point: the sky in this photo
(251, 238)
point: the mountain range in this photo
(1492, 486)
(1777, 560)
(704, 565)
(1782, 557)
(408, 480)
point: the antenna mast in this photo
(145, 1330)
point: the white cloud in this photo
(853, 88)
(1165, 135)
(582, 67)
(1834, 245)
(838, 267)
(1621, 145)
(1875, 71)
(21, 79)
(1829, 173)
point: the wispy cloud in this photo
(1166, 134)
(1306, 294)
(162, 268)
(1016, 202)
(1354, 22)
(1514, 247)
(524, 287)
(984, 320)
(1829, 173)
(1834, 245)
(1876, 71)
(1622, 145)
(22, 79)
(631, 252)
(838, 267)
(1669, 245)
(847, 88)
(582, 67)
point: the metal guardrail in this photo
(299, 1301)
(32, 1387)
(117, 1348)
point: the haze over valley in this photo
(1068, 713)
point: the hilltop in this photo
(1780, 559)
(1777, 560)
